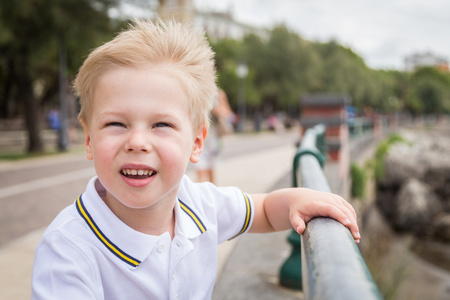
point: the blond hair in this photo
(152, 43)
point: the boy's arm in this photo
(293, 207)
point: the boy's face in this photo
(140, 137)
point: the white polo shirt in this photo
(88, 253)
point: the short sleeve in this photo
(234, 213)
(228, 208)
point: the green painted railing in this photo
(329, 265)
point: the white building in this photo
(218, 25)
(417, 60)
(221, 25)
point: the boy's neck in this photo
(151, 221)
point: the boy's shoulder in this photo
(66, 237)
(67, 217)
(69, 230)
(65, 229)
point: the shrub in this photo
(381, 152)
(359, 181)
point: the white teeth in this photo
(137, 172)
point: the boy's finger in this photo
(352, 225)
(355, 231)
(298, 223)
(345, 216)
(350, 207)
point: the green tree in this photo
(398, 88)
(286, 68)
(32, 32)
(343, 71)
(229, 53)
(429, 91)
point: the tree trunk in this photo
(8, 107)
(31, 107)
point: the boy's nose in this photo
(138, 142)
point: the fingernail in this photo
(358, 235)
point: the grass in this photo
(23, 155)
(17, 156)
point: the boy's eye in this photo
(116, 124)
(162, 124)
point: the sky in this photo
(382, 32)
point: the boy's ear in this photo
(198, 144)
(87, 143)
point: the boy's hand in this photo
(312, 204)
(281, 209)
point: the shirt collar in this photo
(189, 222)
(127, 244)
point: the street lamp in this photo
(242, 71)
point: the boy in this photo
(142, 229)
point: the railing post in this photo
(313, 143)
(291, 270)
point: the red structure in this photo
(330, 110)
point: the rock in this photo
(402, 162)
(417, 205)
(419, 156)
(414, 195)
(386, 199)
(438, 178)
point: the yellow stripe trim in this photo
(247, 217)
(99, 235)
(193, 216)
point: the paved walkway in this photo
(255, 171)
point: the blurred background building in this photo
(428, 59)
(218, 25)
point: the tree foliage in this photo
(284, 67)
(32, 32)
(430, 91)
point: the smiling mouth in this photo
(137, 173)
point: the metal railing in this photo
(332, 266)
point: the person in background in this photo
(53, 119)
(222, 118)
